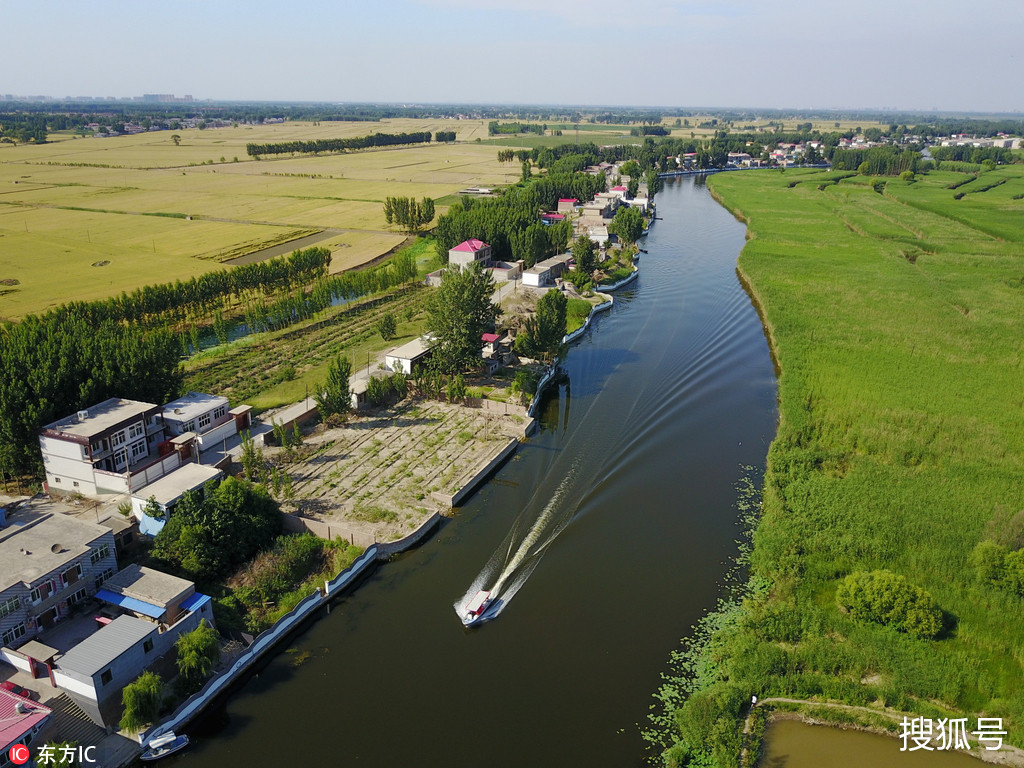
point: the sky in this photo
(799, 54)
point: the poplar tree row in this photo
(337, 145)
(407, 213)
(201, 294)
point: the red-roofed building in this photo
(552, 218)
(567, 205)
(21, 720)
(489, 338)
(619, 188)
(468, 251)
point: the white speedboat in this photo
(474, 609)
(164, 745)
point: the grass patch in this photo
(898, 442)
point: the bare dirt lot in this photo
(380, 476)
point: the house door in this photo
(47, 619)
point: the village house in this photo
(544, 273)
(207, 416)
(469, 251)
(405, 358)
(567, 205)
(99, 449)
(49, 563)
(158, 609)
(166, 492)
(21, 720)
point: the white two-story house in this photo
(98, 449)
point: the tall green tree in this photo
(198, 653)
(407, 213)
(142, 700)
(333, 397)
(584, 251)
(207, 538)
(458, 312)
(628, 224)
(541, 337)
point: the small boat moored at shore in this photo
(165, 745)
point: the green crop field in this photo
(75, 202)
(896, 317)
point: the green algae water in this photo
(636, 463)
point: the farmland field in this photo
(156, 212)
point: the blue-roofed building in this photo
(155, 609)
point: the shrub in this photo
(886, 598)
(987, 561)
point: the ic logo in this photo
(19, 754)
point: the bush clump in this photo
(884, 597)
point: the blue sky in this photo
(901, 54)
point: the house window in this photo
(56, 479)
(106, 677)
(219, 412)
(9, 606)
(12, 634)
(71, 575)
(117, 439)
(147, 646)
(138, 449)
(78, 597)
(204, 421)
(99, 554)
(74, 483)
(189, 426)
(103, 577)
(40, 593)
(136, 430)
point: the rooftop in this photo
(192, 405)
(32, 548)
(14, 724)
(100, 649)
(472, 245)
(154, 587)
(410, 350)
(174, 485)
(101, 418)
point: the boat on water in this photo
(164, 745)
(473, 611)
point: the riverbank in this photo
(887, 308)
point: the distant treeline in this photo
(336, 145)
(974, 154)
(21, 128)
(649, 130)
(442, 136)
(494, 128)
(876, 161)
(200, 295)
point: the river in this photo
(634, 471)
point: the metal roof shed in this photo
(104, 646)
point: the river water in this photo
(634, 472)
